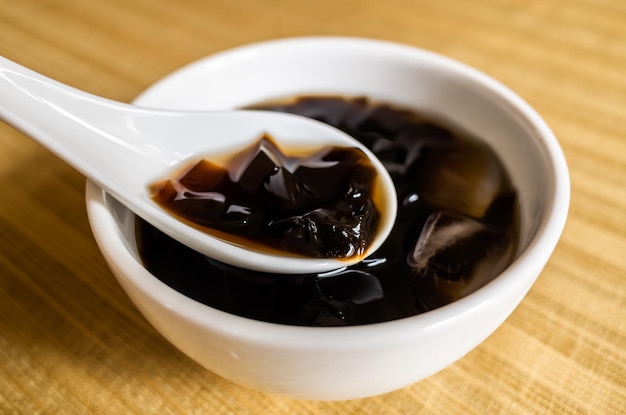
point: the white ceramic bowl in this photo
(349, 362)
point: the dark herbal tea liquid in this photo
(457, 228)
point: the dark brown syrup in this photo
(320, 205)
(457, 228)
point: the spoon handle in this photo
(77, 126)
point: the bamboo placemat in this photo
(71, 341)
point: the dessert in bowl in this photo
(300, 358)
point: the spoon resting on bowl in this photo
(125, 149)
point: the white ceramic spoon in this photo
(125, 148)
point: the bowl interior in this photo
(405, 76)
(426, 82)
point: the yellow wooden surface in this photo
(71, 341)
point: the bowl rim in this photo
(519, 275)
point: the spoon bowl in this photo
(125, 148)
